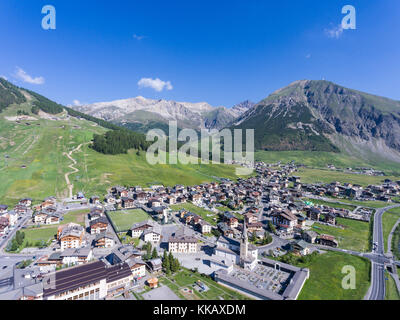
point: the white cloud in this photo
(76, 102)
(308, 56)
(156, 84)
(22, 75)
(3, 77)
(137, 37)
(334, 32)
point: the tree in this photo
(271, 227)
(154, 255)
(165, 260)
(35, 109)
(148, 248)
(175, 265)
(254, 237)
(216, 233)
(267, 238)
(167, 268)
(171, 259)
(14, 246)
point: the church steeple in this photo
(244, 235)
(244, 245)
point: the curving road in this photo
(378, 259)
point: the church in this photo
(241, 253)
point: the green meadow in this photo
(186, 279)
(325, 282)
(33, 161)
(320, 160)
(335, 205)
(353, 236)
(389, 219)
(327, 176)
(391, 289)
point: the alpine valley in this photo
(316, 116)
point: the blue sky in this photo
(221, 52)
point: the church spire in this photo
(244, 235)
(244, 244)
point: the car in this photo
(4, 267)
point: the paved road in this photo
(378, 289)
(19, 224)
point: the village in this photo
(124, 245)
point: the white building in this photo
(231, 251)
(76, 256)
(70, 236)
(149, 230)
(181, 243)
(92, 281)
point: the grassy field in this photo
(200, 211)
(325, 282)
(35, 235)
(327, 176)
(46, 233)
(391, 289)
(396, 242)
(368, 204)
(354, 236)
(186, 279)
(389, 219)
(321, 159)
(331, 204)
(124, 219)
(40, 147)
(76, 217)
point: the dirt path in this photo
(71, 166)
(35, 140)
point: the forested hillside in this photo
(9, 94)
(119, 141)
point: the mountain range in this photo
(323, 116)
(307, 115)
(141, 114)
